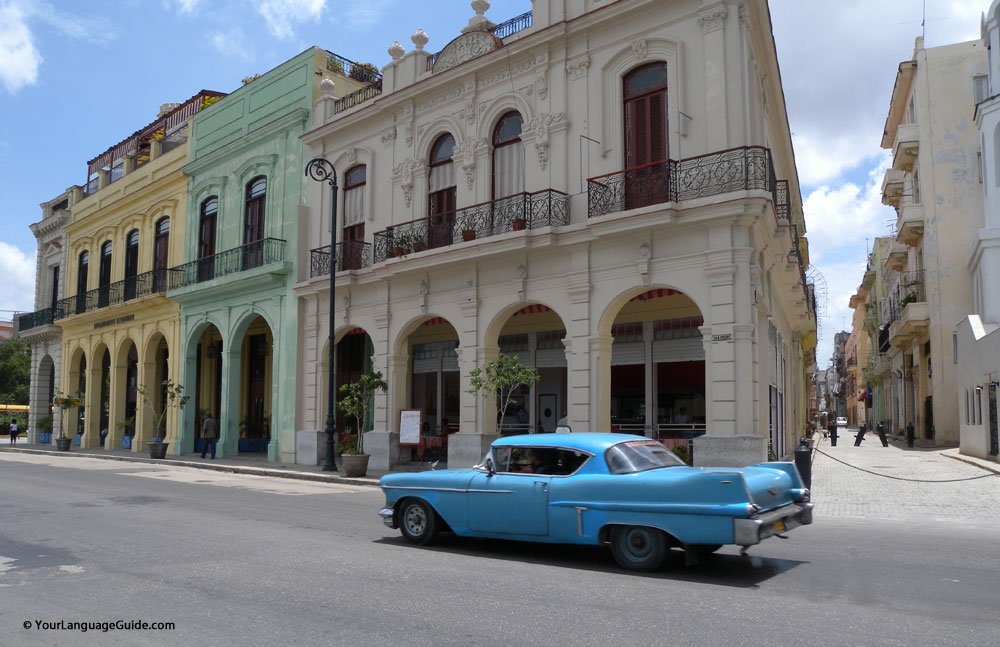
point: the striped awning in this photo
(529, 310)
(434, 321)
(655, 294)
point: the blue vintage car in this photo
(629, 491)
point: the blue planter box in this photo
(253, 444)
(77, 438)
(126, 442)
(45, 437)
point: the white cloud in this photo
(362, 15)
(186, 6)
(233, 43)
(19, 58)
(282, 15)
(17, 290)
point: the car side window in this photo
(538, 460)
(501, 458)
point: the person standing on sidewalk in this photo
(14, 431)
(210, 434)
(832, 428)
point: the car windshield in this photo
(639, 456)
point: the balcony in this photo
(33, 320)
(350, 255)
(892, 187)
(163, 135)
(133, 287)
(896, 260)
(738, 169)
(545, 208)
(232, 261)
(915, 317)
(910, 229)
(905, 147)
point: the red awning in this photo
(434, 321)
(655, 294)
(356, 331)
(528, 310)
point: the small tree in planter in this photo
(173, 398)
(355, 402)
(65, 402)
(502, 376)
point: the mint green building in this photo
(238, 313)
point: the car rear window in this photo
(639, 456)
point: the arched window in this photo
(131, 263)
(104, 275)
(354, 218)
(645, 98)
(441, 186)
(81, 281)
(206, 238)
(508, 156)
(253, 223)
(161, 245)
(646, 151)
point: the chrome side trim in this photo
(444, 489)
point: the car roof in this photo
(588, 442)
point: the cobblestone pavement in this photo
(840, 490)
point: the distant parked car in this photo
(841, 421)
(627, 491)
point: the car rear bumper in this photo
(747, 532)
(388, 517)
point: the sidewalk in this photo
(256, 464)
(897, 482)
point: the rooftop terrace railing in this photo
(503, 30)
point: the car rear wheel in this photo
(418, 522)
(638, 548)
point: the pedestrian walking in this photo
(14, 431)
(209, 434)
(910, 434)
(880, 429)
(832, 428)
(860, 436)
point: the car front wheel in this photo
(418, 521)
(638, 548)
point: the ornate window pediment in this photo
(466, 47)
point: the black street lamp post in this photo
(321, 170)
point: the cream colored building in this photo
(935, 186)
(39, 328)
(978, 335)
(608, 191)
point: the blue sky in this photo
(77, 76)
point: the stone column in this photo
(186, 433)
(382, 443)
(92, 424)
(229, 417)
(600, 384)
(478, 426)
(712, 19)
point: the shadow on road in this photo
(720, 569)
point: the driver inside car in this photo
(539, 463)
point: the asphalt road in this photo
(244, 560)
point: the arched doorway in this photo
(657, 373)
(256, 369)
(155, 371)
(105, 419)
(124, 381)
(207, 393)
(534, 334)
(73, 419)
(43, 407)
(353, 358)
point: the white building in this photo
(605, 189)
(978, 339)
(37, 328)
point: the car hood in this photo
(428, 479)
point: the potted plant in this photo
(355, 402)
(518, 223)
(45, 426)
(419, 244)
(127, 427)
(173, 398)
(468, 234)
(502, 377)
(64, 403)
(401, 244)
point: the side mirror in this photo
(563, 429)
(489, 467)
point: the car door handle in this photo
(544, 484)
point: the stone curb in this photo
(219, 467)
(983, 465)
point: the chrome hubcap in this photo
(415, 520)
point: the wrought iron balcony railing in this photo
(520, 211)
(112, 294)
(503, 30)
(34, 319)
(737, 169)
(350, 255)
(239, 259)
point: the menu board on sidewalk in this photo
(409, 426)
